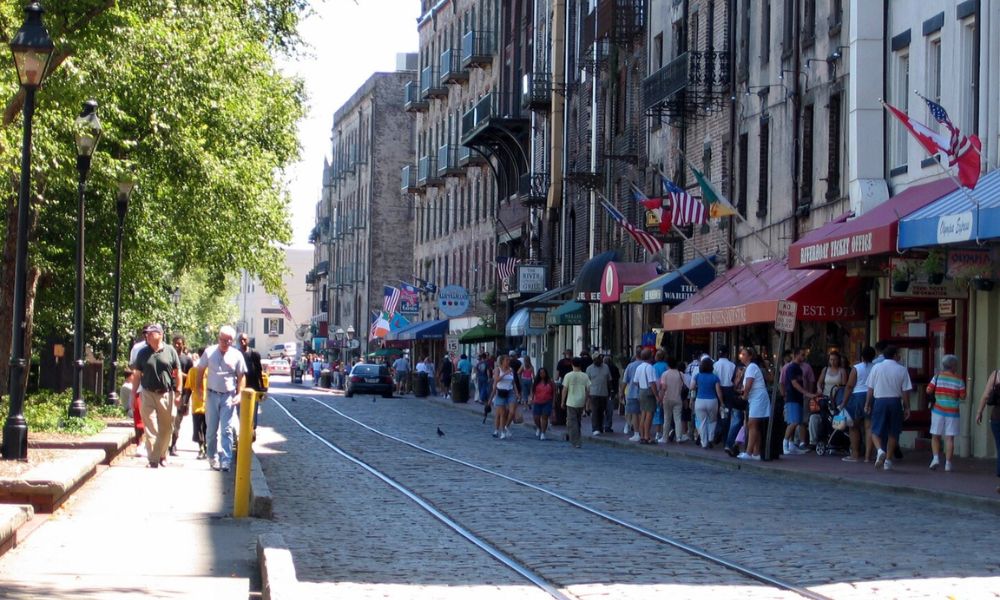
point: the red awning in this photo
(872, 233)
(620, 276)
(743, 297)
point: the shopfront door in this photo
(942, 340)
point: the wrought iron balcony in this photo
(408, 180)
(412, 101)
(430, 84)
(620, 21)
(494, 110)
(447, 162)
(533, 189)
(427, 175)
(452, 70)
(694, 82)
(468, 158)
(477, 49)
(536, 91)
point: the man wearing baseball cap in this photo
(157, 366)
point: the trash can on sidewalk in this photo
(324, 378)
(460, 387)
(296, 375)
(421, 388)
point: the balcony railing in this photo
(427, 175)
(468, 158)
(412, 101)
(533, 189)
(430, 85)
(536, 91)
(447, 162)
(477, 49)
(451, 67)
(693, 81)
(408, 180)
(620, 21)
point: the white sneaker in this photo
(934, 463)
(887, 466)
(634, 438)
(784, 446)
(503, 434)
(683, 439)
(659, 439)
(743, 456)
(755, 457)
(496, 433)
(595, 433)
(948, 467)
(879, 459)
(627, 430)
(794, 450)
(541, 436)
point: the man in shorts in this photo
(401, 373)
(795, 394)
(888, 402)
(630, 391)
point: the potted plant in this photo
(901, 276)
(933, 266)
(979, 277)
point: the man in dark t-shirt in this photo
(795, 394)
(180, 346)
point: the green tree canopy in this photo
(194, 108)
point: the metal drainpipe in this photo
(796, 117)
(558, 158)
(733, 133)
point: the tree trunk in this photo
(7, 292)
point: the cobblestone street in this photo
(350, 531)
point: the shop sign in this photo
(724, 317)
(920, 287)
(969, 263)
(609, 281)
(589, 297)
(453, 300)
(530, 279)
(954, 228)
(946, 307)
(409, 300)
(536, 319)
(651, 295)
(785, 318)
(837, 249)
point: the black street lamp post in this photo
(88, 133)
(32, 49)
(125, 187)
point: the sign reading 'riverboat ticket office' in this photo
(837, 249)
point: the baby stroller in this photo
(830, 439)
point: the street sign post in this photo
(784, 322)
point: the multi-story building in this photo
(470, 150)
(360, 221)
(261, 314)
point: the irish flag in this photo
(715, 202)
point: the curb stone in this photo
(277, 571)
(12, 517)
(49, 484)
(261, 501)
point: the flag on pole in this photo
(506, 266)
(963, 153)
(654, 206)
(285, 311)
(685, 209)
(717, 204)
(646, 240)
(390, 300)
(380, 326)
(962, 150)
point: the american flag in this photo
(390, 300)
(685, 208)
(958, 144)
(506, 266)
(285, 311)
(646, 240)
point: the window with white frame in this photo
(274, 326)
(932, 87)
(967, 91)
(900, 99)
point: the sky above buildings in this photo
(346, 41)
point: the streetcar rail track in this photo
(687, 548)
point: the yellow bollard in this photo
(248, 406)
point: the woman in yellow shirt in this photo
(197, 405)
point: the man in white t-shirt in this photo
(889, 386)
(645, 379)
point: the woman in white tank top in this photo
(857, 384)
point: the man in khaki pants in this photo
(158, 367)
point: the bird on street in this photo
(440, 433)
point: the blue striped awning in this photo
(955, 217)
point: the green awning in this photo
(568, 313)
(479, 334)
